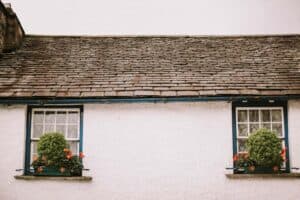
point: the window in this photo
(251, 119)
(66, 120)
(251, 116)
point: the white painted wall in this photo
(294, 133)
(148, 151)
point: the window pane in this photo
(277, 128)
(33, 150)
(49, 128)
(61, 117)
(74, 147)
(73, 117)
(266, 126)
(50, 117)
(276, 116)
(37, 131)
(34, 147)
(61, 129)
(38, 117)
(265, 115)
(242, 116)
(241, 145)
(242, 130)
(253, 116)
(253, 128)
(73, 131)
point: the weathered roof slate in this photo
(49, 66)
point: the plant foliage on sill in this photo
(55, 158)
(278, 175)
(264, 156)
(58, 178)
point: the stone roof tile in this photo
(153, 66)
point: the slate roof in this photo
(151, 66)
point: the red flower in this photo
(235, 157)
(252, 168)
(35, 158)
(39, 169)
(44, 158)
(246, 156)
(275, 168)
(62, 170)
(283, 154)
(69, 156)
(66, 150)
(81, 155)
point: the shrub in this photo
(51, 147)
(264, 148)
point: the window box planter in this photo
(258, 170)
(51, 171)
(55, 158)
(54, 178)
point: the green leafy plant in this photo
(72, 165)
(51, 147)
(54, 155)
(264, 148)
(243, 163)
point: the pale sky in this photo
(158, 17)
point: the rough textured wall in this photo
(294, 133)
(169, 151)
(2, 28)
(14, 33)
(11, 31)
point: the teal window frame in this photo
(261, 103)
(27, 169)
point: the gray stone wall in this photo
(2, 28)
(11, 31)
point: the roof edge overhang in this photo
(164, 35)
(91, 100)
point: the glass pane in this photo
(33, 150)
(242, 130)
(73, 117)
(38, 117)
(37, 131)
(61, 129)
(276, 115)
(242, 116)
(283, 144)
(34, 147)
(50, 117)
(253, 128)
(49, 128)
(73, 131)
(266, 126)
(74, 147)
(265, 115)
(277, 128)
(241, 145)
(61, 117)
(253, 116)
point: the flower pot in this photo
(256, 170)
(51, 171)
(264, 170)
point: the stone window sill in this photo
(56, 178)
(263, 176)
